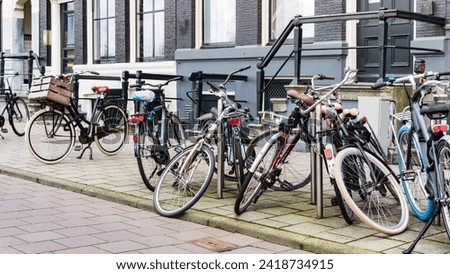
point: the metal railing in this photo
(295, 25)
(30, 56)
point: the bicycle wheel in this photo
(19, 116)
(259, 177)
(443, 152)
(111, 129)
(239, 165)
(296, 168)
(147, 165)
(414, 185)
(50, 136)
(178, 190)
(371, 190)
(346, 211)
(176, 138)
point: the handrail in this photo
(296, 23)
(30, 56)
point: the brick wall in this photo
(332, 31)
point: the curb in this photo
(278, 236)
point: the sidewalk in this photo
(285, 218)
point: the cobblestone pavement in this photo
(284, 218)
(41, 219)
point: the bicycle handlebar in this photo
(158, 86)
(410, 78)
(333, 87)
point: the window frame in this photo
(141, 28)
(205, 44)
(97, 58)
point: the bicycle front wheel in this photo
(50, 136)
(19, 116)
(111, 130)
(371, 190)
(184, 180)
(296, 168)
(259, 177)
(414, 184)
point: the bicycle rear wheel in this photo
(371, 190)
(111, 130)
(443, 152)
(19, 116)
(296, 169)
(414, 185)
(50, 136)
(178, 190)
(147, 165)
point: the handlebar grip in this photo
(94, 72)
(326, 77)
(379, 84)
(444, 73)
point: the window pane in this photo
(111, 38)
(69, 31)
(283, 11)
(159, 5)
(159, 34)
(111, 8)
(220, 21)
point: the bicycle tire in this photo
(253, 185)
(443, 152)
(353, 174)
(239, 165)
(176, 193)
(346, 211)
(147, 166)
(19, 115)
(422, 207)
(292, 169)
(111, 129)
(50, 136)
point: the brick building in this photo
(216, 36)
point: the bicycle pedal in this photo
(287, 186)
(78, 148)
(4, 130)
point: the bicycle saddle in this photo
(100, 89)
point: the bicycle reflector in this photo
(234, 121)
(439, 128)
(136, 119)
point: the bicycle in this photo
(159, 133)
(277, 164)
(51, 132)
(189, 173)
(14, 108)
(429, 145)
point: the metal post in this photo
(298, 33)
(318, 167)
(313, 162)
(220, 152)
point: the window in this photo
(219, 22)
(67, 37)
(104, 31)
(150, 27)
(282, 12)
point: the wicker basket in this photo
(49, 89)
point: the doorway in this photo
(400, 32)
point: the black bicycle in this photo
(13, 108)
(51, 132)
(159, 133)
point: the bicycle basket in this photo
(50, 89)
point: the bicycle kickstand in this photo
(84, 150)
(423, 231)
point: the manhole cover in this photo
(213, 244)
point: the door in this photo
(400, 31)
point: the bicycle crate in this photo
(50, 89)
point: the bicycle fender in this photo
(263, 151)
